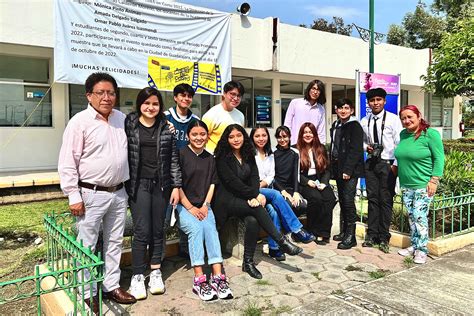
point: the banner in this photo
(390, 83)
(155, 43)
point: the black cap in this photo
(377, 92)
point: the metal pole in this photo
(371, 28)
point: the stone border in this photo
(437, 247)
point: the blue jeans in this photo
(280, 210)
(200, 232)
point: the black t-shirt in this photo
(148, 150)
(199, 172)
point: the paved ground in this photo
(327, 281)
(297, 283)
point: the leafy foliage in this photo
(337, 26)
(419, 29)
(458, 175)
(452, 70)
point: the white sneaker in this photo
(406, 252)
(156, 284)
(202, 289)
(220, 284)
(137, 287)
(420, 257)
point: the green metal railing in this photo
(449, 214)
(72, 268)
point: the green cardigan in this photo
(420, 159)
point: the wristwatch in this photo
(207, 204)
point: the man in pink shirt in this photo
(93, 165)
(308, 109)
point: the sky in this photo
(296, 12)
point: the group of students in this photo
(210, 170)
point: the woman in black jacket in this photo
(314, 180)
(347, 161)
(155, 178)
(238, 194)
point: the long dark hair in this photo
(268, 146)
(322, 91)
(143, 95)
(423, 124)
(322, 161)
(224, 150)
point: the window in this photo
(403, 98)
(436, 111)
(340, 92)
(25, 97)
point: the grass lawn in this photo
(28, 217)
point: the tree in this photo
(419, 29)
(337, 26)
(396, 35)
(452, 70)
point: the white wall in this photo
(34, 148)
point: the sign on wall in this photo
(390, 83)
(155, 43)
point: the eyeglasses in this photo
(234, 95)
(102, 94)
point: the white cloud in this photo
(330, 11)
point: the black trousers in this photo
(148, 215)
(254, 218)
(346, 190)
(319, 210)
(380, 182)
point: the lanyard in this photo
(382, 127)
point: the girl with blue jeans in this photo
(278, 208)
(196, 218)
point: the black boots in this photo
(287, 247)
(349, 239)
(249, 266)
(342, 229)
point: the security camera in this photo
(244, 8)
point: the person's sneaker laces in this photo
(203, 289)
(303, 236)
(137, 286)
(220, 284)
(406, 252)
(420, 257)
(156, 284)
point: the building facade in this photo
(34, 110)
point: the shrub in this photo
(461, 144)
(458, 175)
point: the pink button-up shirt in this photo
(94, 150)
(301, 111)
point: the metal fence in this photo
(449, 214)
(71, 267)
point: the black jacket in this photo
(169, 172)
(350, 158)
(323, 177)
(287, 169)
(232, 187)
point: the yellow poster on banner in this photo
(165, 74)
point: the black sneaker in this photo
(369, 242)
(276, 254)
(384, 247)
(303, 236)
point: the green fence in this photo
(449, 214)
(72, 268)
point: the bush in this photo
(458, 175)
(461, 144)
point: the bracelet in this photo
(434, 181)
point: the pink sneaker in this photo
(420, 257)
(406, 252)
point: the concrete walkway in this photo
(323, 280)
(293, 285)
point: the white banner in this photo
(140, 43)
